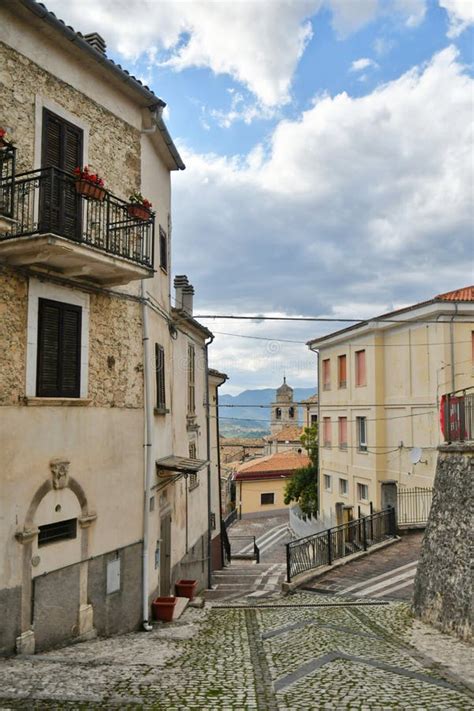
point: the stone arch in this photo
(25, 641)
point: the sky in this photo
(329, 159)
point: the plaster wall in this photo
(249, 493)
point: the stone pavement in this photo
(304, 651)
(388, 573)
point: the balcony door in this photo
(61, 152)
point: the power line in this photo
(359, 345)
(339, 405)
(368, 419)
(323, 319)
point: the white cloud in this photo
(360, 201)
(258, 43)
(460, 13)
(363, 63)
(414, 11)
(242, 110)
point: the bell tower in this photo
(284, 412)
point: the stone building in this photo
(380, 387)
(106, 463)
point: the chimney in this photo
(188, 293)
(96, 41)
(180, 282)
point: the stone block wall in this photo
(443, 583)
(13, 319)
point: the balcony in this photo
(47, 225)
(457, 416)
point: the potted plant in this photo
(89, 184)
(5, 140)
(186, 588)
(139, 207)
(163, 608)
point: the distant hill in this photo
(249, 421)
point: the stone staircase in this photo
(246, 578)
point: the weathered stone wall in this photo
(114, 145)
(443, 583)
(13, 319)
(115, 352)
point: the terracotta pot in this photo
(163, 608)
(186, 588)
(90, 190)
(139, 212)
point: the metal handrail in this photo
(339, 541)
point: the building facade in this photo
(261, 482)
(284, 411)
(96, 366)
(380, 388)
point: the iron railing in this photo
(338, 542)
(7, 175)
(413, 505)
(457, 415)
(47, 201)
(231, 518)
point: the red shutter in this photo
(361, 377)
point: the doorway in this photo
(165, 557)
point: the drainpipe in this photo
(451, 335)
(148, 458)
(208, 438)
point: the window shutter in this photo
(48, 349)
(160, 376)
(163, 250)
(70, 351)
(59, 349)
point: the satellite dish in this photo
(415, 455)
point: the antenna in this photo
(415, 455)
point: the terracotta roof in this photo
(311, 400)
(290, 433)
(464, 294)
(276, 465)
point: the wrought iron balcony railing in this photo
(47, 201)
(7, 175)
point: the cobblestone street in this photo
(304, 651)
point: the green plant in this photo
(303, 485)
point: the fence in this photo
(338, 542)
(457, 415)
(413, 505)
(302, 525)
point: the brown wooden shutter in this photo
(62, 149)
(59, 349)
(163, 250)
(160, 376)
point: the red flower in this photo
(2, 132)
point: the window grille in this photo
(58, 531)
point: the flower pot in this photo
(138, 212)
(163, 608)
(186, 588)
(90, 190)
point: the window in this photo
(361, 378)
(192, 450)
(361, 423)
(326, 374)
(314, 420)
(191, 380)
(160, 377)
(278, 413)
(59, 349)
(213, 521)
(343, 487)
(343, 432)
(163, 250)
(193, 477)
(291, 412)
(327, 482)
(342, 371)
(362, 492)
(327, 431)
(59, 531)
(267, 499)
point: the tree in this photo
(303, 485)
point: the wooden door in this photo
(165, 555)
(62, 148)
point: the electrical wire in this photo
(359, 406)
(323, 319)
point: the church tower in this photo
(284, 412)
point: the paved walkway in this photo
(385, 574)
(302, 652)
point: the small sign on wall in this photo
(113, 576)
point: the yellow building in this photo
(261, 482)
(380, 386)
